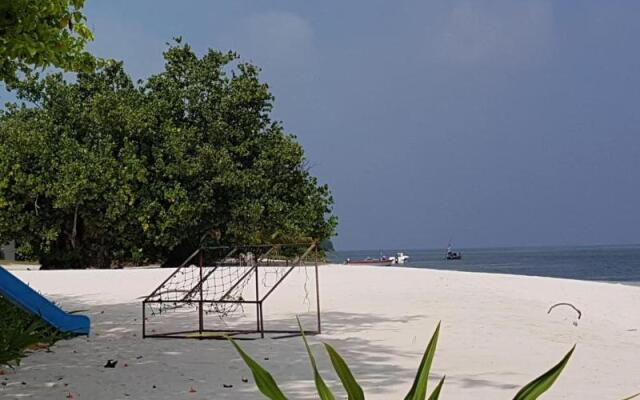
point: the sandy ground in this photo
(496, 336)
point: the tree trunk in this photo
(102, 258)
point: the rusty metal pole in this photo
(261, 322)
(200, 305)
(257, 298)
(317, 291)
(144, 318)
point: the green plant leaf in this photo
(354, 391)
(542, 383)
(632, 397)
(436, 392)
(323, 390)
(264, 380)
(419, 389)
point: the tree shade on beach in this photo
(42, 33)
(269, 388)
(103, 169)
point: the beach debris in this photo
(266, 358)
(69, 395)
(2, 372)
(224, 385)
(245, 380)
(568, 305)
(111, 364)
(39, 346)
(126, 365)
(139, 357)
(154, 386)
(192, 390)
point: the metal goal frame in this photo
(308, 259)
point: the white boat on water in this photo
(399, 258)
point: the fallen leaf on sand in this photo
(38, 346)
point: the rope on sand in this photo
(565, 304)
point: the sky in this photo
(491, 123)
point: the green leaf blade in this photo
(264, 381)
(353, 389)
(418, 390)
(436, 392)
(541, 384)
(321, 386)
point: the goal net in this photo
(224, 290)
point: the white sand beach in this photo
(496, 336)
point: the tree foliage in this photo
(103, 169)
(42, 33)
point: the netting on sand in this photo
(221, 281)
(217, 285)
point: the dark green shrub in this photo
(20, 331)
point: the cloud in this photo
(495, 32)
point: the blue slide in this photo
(17, 292)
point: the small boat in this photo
(399, 258)
(382, 261)
(453, 255)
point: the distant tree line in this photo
(101, 170)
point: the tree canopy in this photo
(103, 169)
(42, 33)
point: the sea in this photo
(594, 263)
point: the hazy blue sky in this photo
(497, 123)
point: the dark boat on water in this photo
(382, 261)
(453, 255)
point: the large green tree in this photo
(102, 169)
(42, 33)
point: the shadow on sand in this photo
(168, 368)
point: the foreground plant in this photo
(21, 331)
(268, 386)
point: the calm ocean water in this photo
(596, 263)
